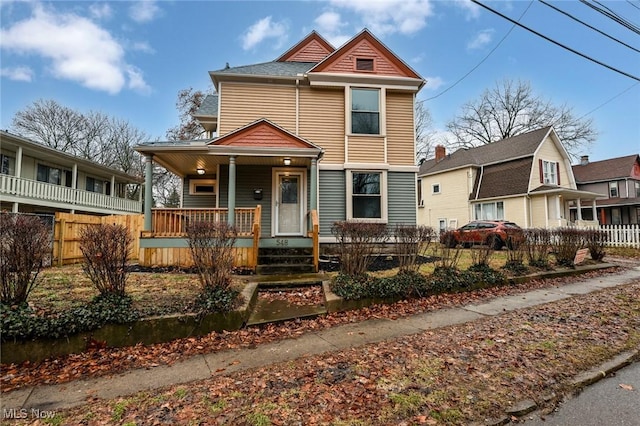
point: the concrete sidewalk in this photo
(199, 367)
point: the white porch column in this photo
(74, 176)
(19, 162)
(231, 219)
(148, 191)
(594, 210)
(113, 186)
(579, 209)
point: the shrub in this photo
(21, 322)
(448, 256)
(481, 254)
(483, 274)
(357, 243)
(352, 287)
(448, 280)
(24, 245)
(211, 245)
(105, 249)
(402, 285)
(411, 242)
(537, 247)
(595, 241)
(216, 299)
(567, 242)
(515, 257)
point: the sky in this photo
(130, 59)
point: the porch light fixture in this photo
(200, 171)
(287, 161)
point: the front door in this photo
(289, 201)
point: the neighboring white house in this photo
(35, 178)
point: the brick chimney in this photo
(441, 152)
(584, 160)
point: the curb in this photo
(579, 382)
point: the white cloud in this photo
(100, 11)
(481, 39)
(471, 10)
(77, 48)
(262, 30)
(329, 24)
(433, 83)
(384, 17)
(142, 46)
(17, 73)
(144, 11)
(136, 80)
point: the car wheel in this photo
(495, 242)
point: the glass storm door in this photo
(288, 203)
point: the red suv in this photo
(496, 233)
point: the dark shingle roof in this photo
(275, 69)
(504, 150)
(209, 106)
(492, 180)
(613, 168)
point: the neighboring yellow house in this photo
(316, 136)
(526, 179)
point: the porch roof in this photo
(568, 193)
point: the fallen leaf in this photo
(626, 387)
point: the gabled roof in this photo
(516, 147)
(366, 45)
(610, 169)
(312, 48)
(491, 182)
(209, 107)
(263, 134)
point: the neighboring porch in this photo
(557, 202)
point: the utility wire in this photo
(558, 43)
(631, 3)
(609, 100)
(483, 59)
(611, 16)
(587, 25)
(616, 14)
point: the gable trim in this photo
(260, 123)
(312, 36)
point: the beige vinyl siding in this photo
(453, 200)
(322, 121)
(548, 152)
(241, 104)
(400, 139)
(538, 212)
(514, 210)
(366, 149)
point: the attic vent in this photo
(363, 64)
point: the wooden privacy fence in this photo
(67, 228)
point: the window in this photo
(436, 188)
(613, 189)
(97, 185)
(419, 188)
(8, 165)
(442, 225)
(550, 170)
(637, 184)
(49, 174)
(202, 187)
(366, 195)
(489, 211)
(365, 111)
(364, 64)
(616, 217)
(68, 178)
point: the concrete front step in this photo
(280, 310)
(285, 268)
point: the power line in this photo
(558, 43)
(587, 25)
(483, 59)
(631, 3)
(609, 100)
(611, 15)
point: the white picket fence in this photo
(622, 235)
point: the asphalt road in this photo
(603, 403)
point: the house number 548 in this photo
(282, 242)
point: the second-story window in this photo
(365, 111)
(613, 189)
(637, 185)
(97, 185)
(7, 165)
(49, 174)
(550, 170)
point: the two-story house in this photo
(316, 136)
(619, 179)
(35, 178)
(526, 179)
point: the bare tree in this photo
(187, 104)
(424, 131)
(511, 108)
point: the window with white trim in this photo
(365, 111)
(550, 172)
(49, 174)
(419, 188)
(98, 185)
(637, 185)
(367, 195)
(435, 188)
(202, 187)
(7, 165)
(489, 211)
(613, 189)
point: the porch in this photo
(166, 243)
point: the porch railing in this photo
(22, 188)
(174, 222)
(314, 233)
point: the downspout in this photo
(297, 107)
